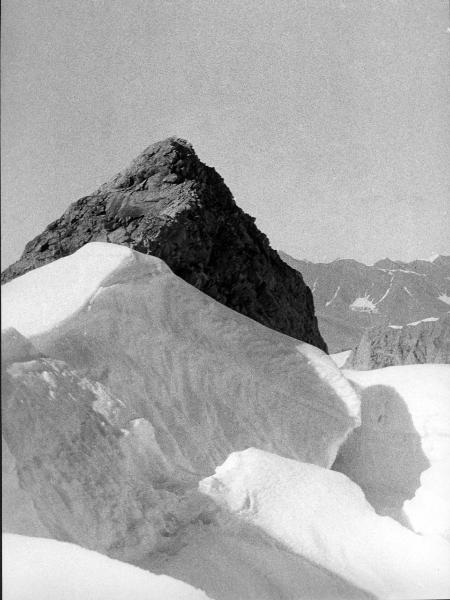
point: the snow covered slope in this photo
(124, 387)
(35, 568)
(208, 379)
(322, 515)
(131, 386)
(400, 455)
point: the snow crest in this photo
(46, 297)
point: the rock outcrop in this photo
(351, 297)
(169, 204)
(426, 341)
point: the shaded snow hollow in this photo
(400, 456)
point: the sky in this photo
(328, 119)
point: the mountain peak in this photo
(171, 160)
(169, 204)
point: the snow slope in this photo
(322, 515)
(35, 568)
(123, 387)
(234, 560)
(120, 393)
(48, 296)
(400, 455)
(208, 379)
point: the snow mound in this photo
(401, 452)
(36, 568)
(323, 516)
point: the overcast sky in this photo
(328, 119)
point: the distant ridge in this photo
(420, 342)
(351, 297)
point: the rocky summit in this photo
(169, 204)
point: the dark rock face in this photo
(425, 342)
(169, 204)
(351, 298)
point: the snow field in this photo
(37, 568)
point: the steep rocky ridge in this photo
(351, 297)
(169, 204)
(426, 341)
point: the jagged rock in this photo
(426, 341)
(169, 204)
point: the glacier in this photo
(147, 422)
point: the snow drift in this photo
(323, 516)
(124, 386)
(209, 380)
(400, 455)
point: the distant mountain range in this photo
(351, 297)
